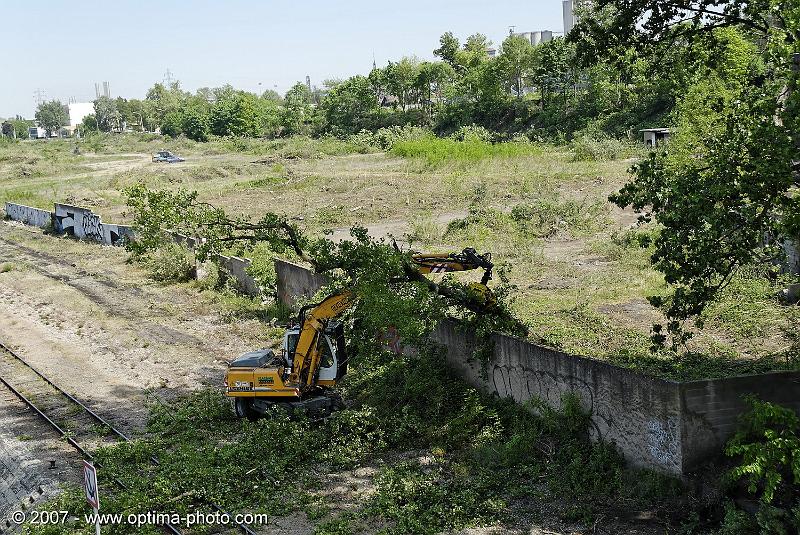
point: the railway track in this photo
(78, 424)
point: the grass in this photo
(435, 152)
(580, 272)
(450, 458)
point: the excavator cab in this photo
(260, 379)
(333, 355)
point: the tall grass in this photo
(438, 151)
(588, 148)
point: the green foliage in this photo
(726, 183)
(156, 213)
(769, 448)
(52, 116)
(472, 133)
(107, 114)
(350, 106)
(170, 262)
(588, 148)
(262, 267)
(436, 152)
(385, 138)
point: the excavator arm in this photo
(466, 260)
(313, 318)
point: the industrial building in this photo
(568, 14)
(570, 19)
(77, 112)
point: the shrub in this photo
(472, 132)
(768, 445)
(385, 138)
(589, 148)
(262, 267)
(170, 263)
(435, 151)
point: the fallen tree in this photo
(391, 290)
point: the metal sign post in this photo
(92, 492)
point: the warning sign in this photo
(90, 485)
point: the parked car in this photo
(166, 156)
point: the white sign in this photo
(90, 485)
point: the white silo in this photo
(526, 36)
(547, 36)
(536, 38)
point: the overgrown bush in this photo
(170, 262)
(438, 151)
(767, 446)
(597, 148)
(385, 138)
(473, 132)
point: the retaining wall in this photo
(640, 414)
(710, 409)
(295, 281)
(30, 216)
(235, 267)
(84, 224)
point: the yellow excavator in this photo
(313, 357)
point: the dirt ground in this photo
(110, 336)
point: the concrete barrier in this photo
(673, 427)
(710, 409)
(237, 269)
(28, 215)
(83, 224)
(640, 414)
(295, 281)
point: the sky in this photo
(63, 48)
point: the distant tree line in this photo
(541, 90)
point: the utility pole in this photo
(168, 78)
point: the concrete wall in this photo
(30, 216)
(640, 414)
(711, 408)
(296, 281)
(792, 256)
(86, 225)
(237, 268)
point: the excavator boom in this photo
(313, 318)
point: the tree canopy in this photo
(725, 191)
(52, 116)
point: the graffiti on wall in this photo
(28, 215)
(631, 424)
(86, 225)
(663, 439)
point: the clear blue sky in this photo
(65, 47)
